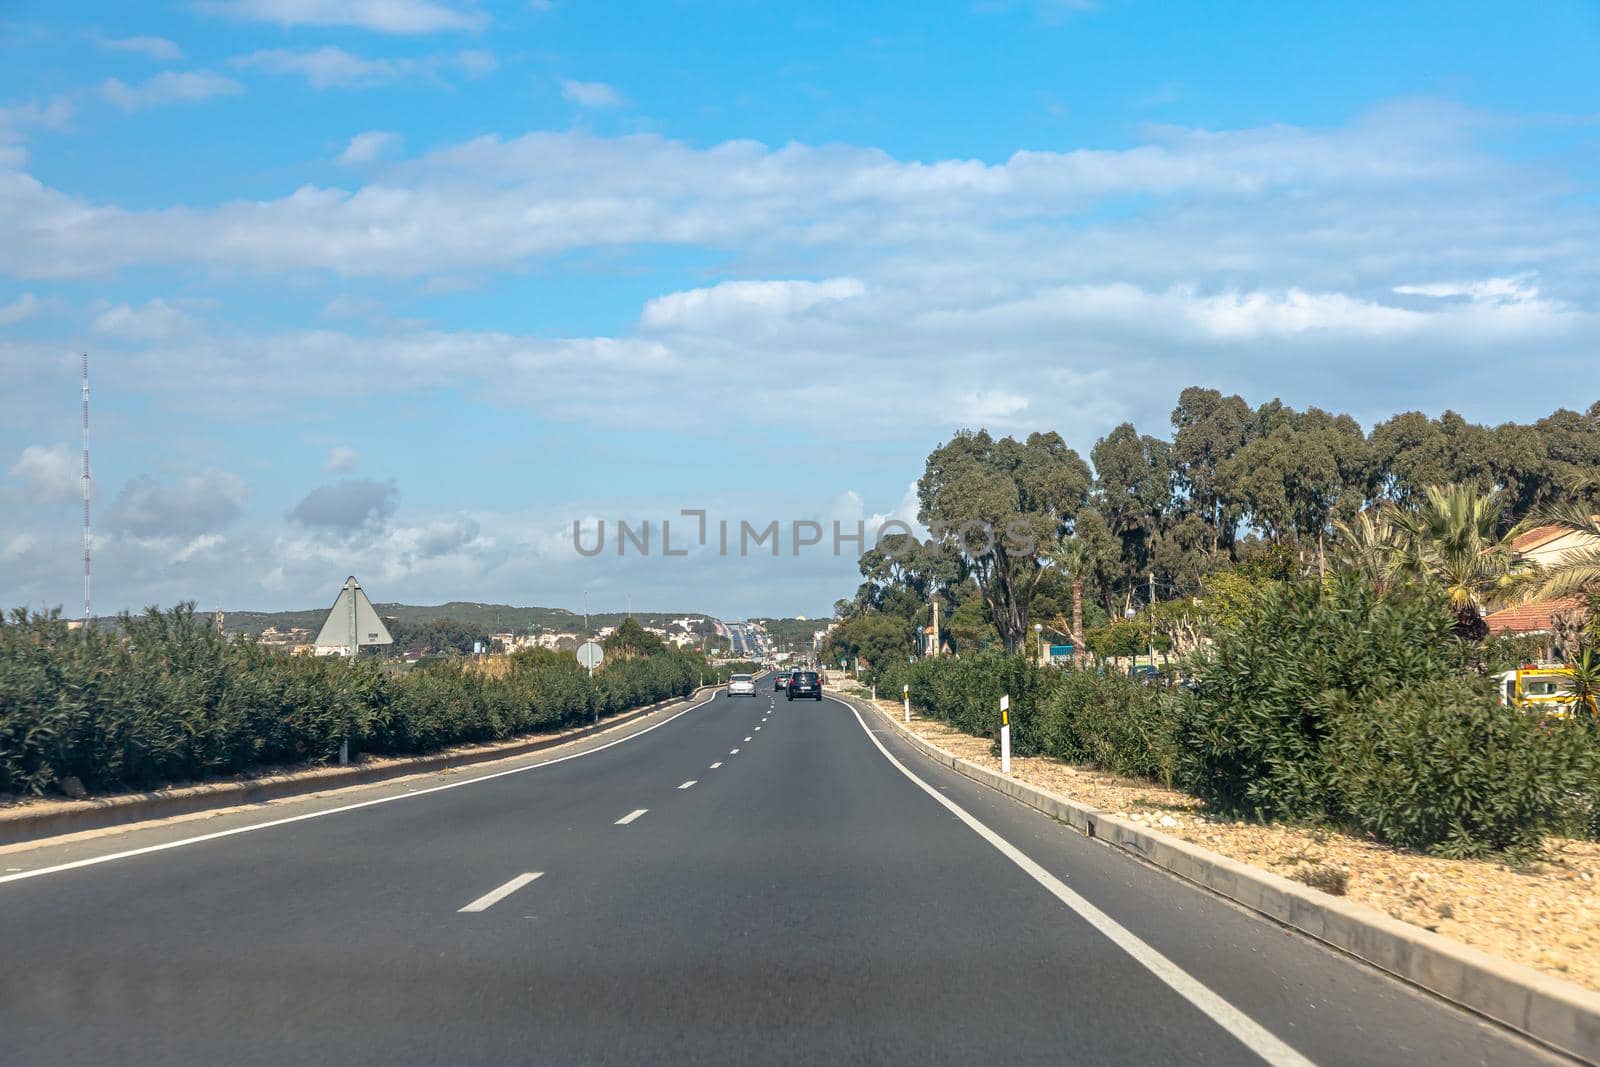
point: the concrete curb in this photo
(19, 825)
(1560, 1014)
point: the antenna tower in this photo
(86, 615)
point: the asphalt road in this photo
(750, 881)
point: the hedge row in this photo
(168, 700)
(1326, 704)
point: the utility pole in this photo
(1152, 620)
(935, 624)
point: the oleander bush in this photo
(1331, 703)
(1443, 767)
(1279, 678)
(1092, 717)
(1324, 703)
(1108, 720)
(965, 692)
(167, 699)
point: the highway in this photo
(735, 881)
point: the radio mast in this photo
(86, 615)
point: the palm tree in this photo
(1578, 572)
(1371, 547)
(1454, 538)
(1073, 555)
(1582, 686)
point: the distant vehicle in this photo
(742, 685)
(1144, 672)
(805, 684)
(1546, 690)
(780, 681)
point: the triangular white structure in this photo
(351, 623)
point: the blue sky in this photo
(404, 287)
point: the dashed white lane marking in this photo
(687, 784)
(733, 752)
(1247, 1031)
(748, 739)
(632, 815)
(494, 896)
(717, 764)
(758, 727)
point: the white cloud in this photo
(157, 320)
(341, 459)
(23, 307)
(347, 306)
(329, 67)
(51, 472)
(380, 16)
(773, 302)
(591, 94)
(1515, 290)
(1277, 207)
(368, 146)
(201, 545)
(169, 87)
(154, 47)
(54, 114)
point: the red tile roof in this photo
(1532, 617)
(1539, 535)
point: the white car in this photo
(742, 685)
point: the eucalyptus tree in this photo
(1001, 505)
(1207, 429)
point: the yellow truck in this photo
(1546, 690)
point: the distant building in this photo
(289, 635)
(1546, 547)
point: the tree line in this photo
(1029, 532)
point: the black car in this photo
(805, 684)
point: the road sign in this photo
(590, 655)
(351, 623)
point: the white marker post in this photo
(1005, 734)
(907, 698)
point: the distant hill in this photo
(495, 618)
(796, 633)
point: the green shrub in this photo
(168, 699)
(965, 692)
(1110, 721)
(1443, 767)
(1276, 682)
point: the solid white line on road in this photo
(632, 815)
(495, 896)
(129, 853)
(687, 784)
(1246, 1030)
(717, 764)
